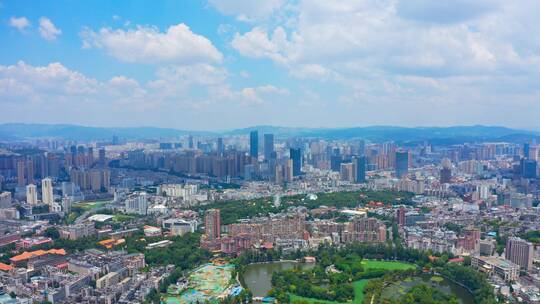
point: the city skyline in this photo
(229, 64)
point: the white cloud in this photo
(442, 12)
(411, 56)
(345, 40)
(35, 93)
(248, 10)
(178, 45)
(48, 30)
(20, 23)
(254, 96)
(257, 44)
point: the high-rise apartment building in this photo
(347, 172)
(21, 181)
(220, 146)
(30, 172)
(5, 199)
(401, 216)
(445, 175)
(47, 195)
(137, 203)
(289, 171)
(212, 222)
(31, 194)
(279, 174)
(520, 252)
(101, 157)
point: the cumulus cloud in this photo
(37, 92)
(413, 53)
(20, 23)
(178, 45)
(248, 10)
(445, 11)
(384, 36)
(48, 30)
(258, 44)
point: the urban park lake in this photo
(258, 278)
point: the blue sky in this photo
(222, 64)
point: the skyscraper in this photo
(278, 174)
(401, 216)
(220, 146)
(90, 156)
(446, 175)
(347, 172)
(212, 223)
(446, 171)
(47, 191)
(101, 158)
(20, 173)
(402, 163)
(30, 171)
(296, 157)
(520, 252)
(361, 147)
(268, 146)
(31, 194)
(528, 168)
(360, 168)
(254, 144)
(526, 149)
(288, 173)
(66, 204)
(190, 142)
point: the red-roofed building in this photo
(27, 256)
(267, 246)
(5, 267)
(31, 242)
(456, 260)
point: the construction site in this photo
(208, 283)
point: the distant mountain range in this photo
(436, 135)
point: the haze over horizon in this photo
(221, 65)
(224, 130)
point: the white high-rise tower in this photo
(47, 191)
(31, 194)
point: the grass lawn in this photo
(358, 295)
(359, 291)
(359, 285)
(118, 218)
(295, 298)
(91, 205)
(387, 265)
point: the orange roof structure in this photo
(31, 254)
(432, 258)
(5, 267)
(267, 245)
(109, 243)
(456, 260)
(57, 251)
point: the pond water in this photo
(396, 290)
(258, 277)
